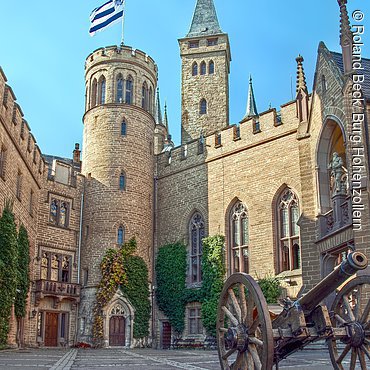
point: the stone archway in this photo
(119, 322)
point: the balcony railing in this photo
(57, 289)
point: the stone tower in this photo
(205, 54)
(118, 163)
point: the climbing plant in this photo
(170, 277)
(8, 269)
(121, 269)
(23, 273)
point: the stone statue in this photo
(336, 168)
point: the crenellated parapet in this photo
(18, 131)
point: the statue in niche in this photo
(54, 268)
(336, 173)
(44, 266)
(53, 211)
(63, 215)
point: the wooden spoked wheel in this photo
(244, 331)
(351, 310)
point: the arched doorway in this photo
(117, 328)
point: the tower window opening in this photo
(120, 235)
(145, 96)
(212, 42)
(150, 100)
(94, 90)
(203, 68)
(193, 44)
(102, 85)
(129, 90)
(324, 85)
(119, 97)
(211, 67)
(123, 128)
(256, 127)
(203, 106)
(195, 69)
(122, 182)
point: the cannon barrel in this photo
(355, 261)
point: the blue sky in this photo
(44, 45)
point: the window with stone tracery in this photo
(117, 310)
(59, 213)
(94, 91)
(119, 95)
(129, 90)
(197, 233)
(101, 92)
(288, 230)
(239, 239)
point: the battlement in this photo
(251, 132)
(116, 54)
(11, 116)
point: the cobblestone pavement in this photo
(88, 359)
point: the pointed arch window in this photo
(129, 90)
(196, 233)
(203, 68)
(120, 235)
(94, 91)
(203, 107)
(288, 230)
(195, 69)
(101, 94)
(150, 100)
(144, 96)
(122, 181)
(123, 128)
(211, 67)
(239, 239)
(119, 95)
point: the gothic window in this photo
(120, 235)
(150, 100)
(119, 96)
(2, 162)
(44, 266)
(123, 128)
(195, 322)
(59, 213)
(102, 85)
(145, 96)
(211, 67)
(239, 239)
(288, 231)
(65, 270)
(203, 107)
(122, 181)
(117, 310)
(195, 69)
(197, 233)
(203, 68)
(94, 91)
(129, 90)
(54, 273)
(19, 185)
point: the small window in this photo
(102, 85)
(150, 100)
(2, 162)
(120, 235)
(31, 203)
(236, 132)
(123, 128)
(119, 96)
(63, 325)
(195, 322)
(256, 127)
(203, 68)
(201, 145)
(193, 44)
(129, 90)
(195, 69)
(212, 42)
(218, 142)
(144, 98)
(211, 68)
(203, 106)
(122, 182)
(324, 85)
(184, 151)
(94, 91)
(19, 185)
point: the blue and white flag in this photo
(106, 15)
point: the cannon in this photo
(251, 337)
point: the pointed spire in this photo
(346, 37)
(251, 104)
(158, 111)
(205, 21)
(301, 77)
(165, 120)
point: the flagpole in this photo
(123, 24)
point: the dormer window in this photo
(193, 44)
(256, 127)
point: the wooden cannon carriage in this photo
(249, 338)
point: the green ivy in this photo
(23, 273)
(214, 270)
(171, 276)
(8, 269)
(119, 268)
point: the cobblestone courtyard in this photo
(58, 359)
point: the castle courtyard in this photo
(143, 359)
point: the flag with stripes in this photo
(106, 15)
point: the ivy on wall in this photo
(8, 269)
(121, 269)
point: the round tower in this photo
(118, 163)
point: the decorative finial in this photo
(251, 103)
(158, 111)
(301, 77)
(165, 121)
(346, 37)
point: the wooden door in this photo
(51, 329)
(117, 331)
(166, 335)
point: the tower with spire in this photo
(205, 54)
